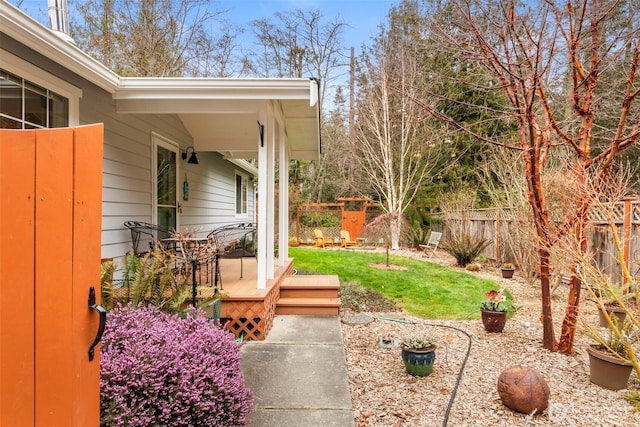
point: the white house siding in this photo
(127, 180)
(212, 194)
(127, 166)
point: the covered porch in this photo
(269, 121)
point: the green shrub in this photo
(418, 236)
(464, 247)
(152, 279)
(320, 219)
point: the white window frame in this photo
(27, 71)
(159, 140)
(245, 187)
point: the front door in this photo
(166, 194)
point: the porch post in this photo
(283, 222)
(270, 134)
(262, 202)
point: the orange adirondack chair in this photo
(320, 240)
(345, 239)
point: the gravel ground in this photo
(383, 394)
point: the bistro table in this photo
(192, 249)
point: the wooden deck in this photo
(249, 312)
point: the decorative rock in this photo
(357, 319)
(386, 342)
(523, 390)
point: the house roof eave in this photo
(221, 113)
(195, 88)
(24, 29)
(244, 165)
(189, 98)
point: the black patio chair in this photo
(232, 241)
(145, 236)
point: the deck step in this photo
(312, 280)
(316, 295)
(309, 306)
(309, 286)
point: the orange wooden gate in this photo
(353, 222)
(354, 215)
(50, 221)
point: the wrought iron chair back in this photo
(232, 241)
(145, 236)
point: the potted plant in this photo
(418, 355)
(293, 242)
(494, 310)
(612, 296)
(507, 270)
(609, 363)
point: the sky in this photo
(362, 16)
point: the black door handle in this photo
(103, 321)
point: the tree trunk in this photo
(395, 224)
(548, 337)
(568, 331)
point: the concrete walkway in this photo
(299, 374)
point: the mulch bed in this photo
(383, 394)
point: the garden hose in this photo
(464, 362)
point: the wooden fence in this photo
(493, 224)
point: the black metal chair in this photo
(235, 241)
(145, 236)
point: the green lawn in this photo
(424, 289)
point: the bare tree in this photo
(393, 147)
(302, 43)
(160, 38)
(333, 170)
(568, 72)
(601, 289)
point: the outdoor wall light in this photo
(193, 159)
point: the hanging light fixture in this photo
(192, 159)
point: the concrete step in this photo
(309, 306)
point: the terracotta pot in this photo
(419, 361)
(614, 311)
(507, 273)
(606, 370)
(494, 321)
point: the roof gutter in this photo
(214, 88)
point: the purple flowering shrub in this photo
(159, 369)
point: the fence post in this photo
(297, 224)
(497, 241)
(627, 231)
